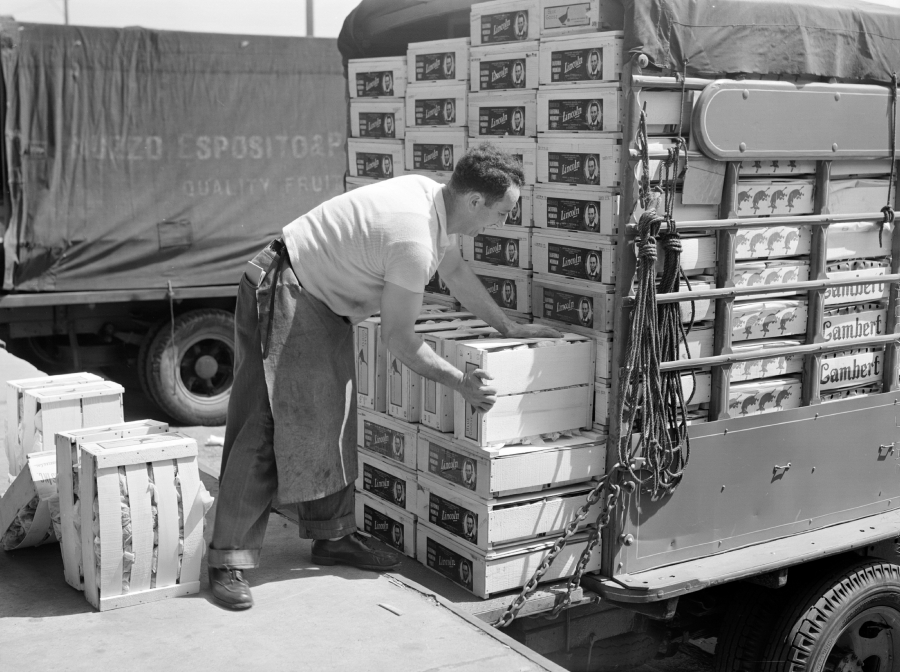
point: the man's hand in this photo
(518, 330)
(475, 392)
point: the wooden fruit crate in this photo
(16, 442)
(504, 67)
(496, 571)
(386, 522)
(377, 77)
(387, 481)
(108, 468)
(436, 105)
(696, 390)
(438, 61)
(567, 60)
(49, 410)
(499, 246)
(392, 439)
(572, 208)
(68, 461)
(856, 268)
(768, 319)
(509, 287)
(27, 508)
(486, 525)
(486, 473)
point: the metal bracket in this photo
(780, 469)
(776, 579)
(886, 449)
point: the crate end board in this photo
(146, 596)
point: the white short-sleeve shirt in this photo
(344, 250)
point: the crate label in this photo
(576, 115)
(396, 374)
(384, 486)
(850, 370)
(497, 250)
(773, 199)
(430, 400)
(514, 218)
(369, 164)
(501, 120)
(452, 466)
(853, 325)
(452, 565)
(437, 286)
(573, 215)
(435, 67)
(504, 27)
(457, 520)
(573, 262)
(502, 290)
(507, 74)
(384, 440)
(433, 157)
(435, 111)
(370, 84)
(574, 168)
(383, 527)
(377, 125)
(567, 16)
(569, 308)
(472, 417)
(850, 293)
(576, 65)
(362, 366)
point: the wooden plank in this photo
(59, 416)
(167, 517)
(141, 526)
(40, 526)
(110, 531)
(87, 484)
(101, 410)
(192, 508)
(145, 596)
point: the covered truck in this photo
(141, 169)
(751, 493)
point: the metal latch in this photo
(885, 449)
(780, 470)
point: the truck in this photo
(141, 170)
(777, 536)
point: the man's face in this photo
(517, 71)
(594, 61)
(468, 471)
(520, 24)
(592, 265)
(595, 112)
(387, 83)
(448, 63)
(387, 166)
(482, 215)
(591, 166)
(448, 110)
(517, 119)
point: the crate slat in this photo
(141, 525)
(110, 530)
(167, 516)
(145, 596)
(124, 456)
(86, 487)
(193, 516)
(103, 410)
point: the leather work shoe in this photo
(353, 550)
(229, 588)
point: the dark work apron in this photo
(308, 360)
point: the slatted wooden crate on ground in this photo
(386, 522)
(542, 386)
(27, 509)
(485, 525)
(496, 571)
(68, 461)
(142, 533)
(17, 443)
(486, 473)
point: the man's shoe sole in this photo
(231, 605)
(328, 562)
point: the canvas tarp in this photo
(138, 157)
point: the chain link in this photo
(612, 493)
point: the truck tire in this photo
(198, 393)
(747, 627)
(143, 358)
(847, 621)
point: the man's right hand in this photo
(475, 392)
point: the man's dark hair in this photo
(487, 170)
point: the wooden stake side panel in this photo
(591, 210)
(387, 523)
(117, 583)
(437, 62)
(388, 437)
(525, 415)
(517, 368)
(377, 77)
(485, 574)
(577, 256)
(503, 114)
(386, 481)
(582, 60)
(503, 67)
(68, 459)
(487, 525)
(439, 106)
(377, 118)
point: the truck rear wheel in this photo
(848, 621)
(194, 390)
(747, 627)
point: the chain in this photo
(603, 490)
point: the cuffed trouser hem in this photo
(231, 559)
(328, 529)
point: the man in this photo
(518, 75)
(591, 222)
(521, 27)
(387, 84)
(399, 494)
(511, 252)
(469, 531)
(594, 68)
(509, 294)
(397, 447)
(387, 166)
(594, 118)
(397, 536)
(518, 122)
(449, 66)
(468, 474)
(592, 266)
(585, 313)
(389, 125)
(291, 427)
(447, 158)
(449, 111)
(591, 176)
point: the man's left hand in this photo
(518, 330)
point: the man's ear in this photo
(473, 200)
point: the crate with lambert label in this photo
(437, 106)
(856, 268)
(377, 77)
(501, 246)
(386, 481)
(387, 523)
(581, 59)
(485, 573)
(485, 473)
(484, 525)
(572, 159)
(377, 118)
(435, 151)
(502, 114)
(839, 370)
(580, 256)
(578, 209)
(438, 61)
(504, 67)
(502, 21)
(861, 320)
(379, 158)
(392, 439)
